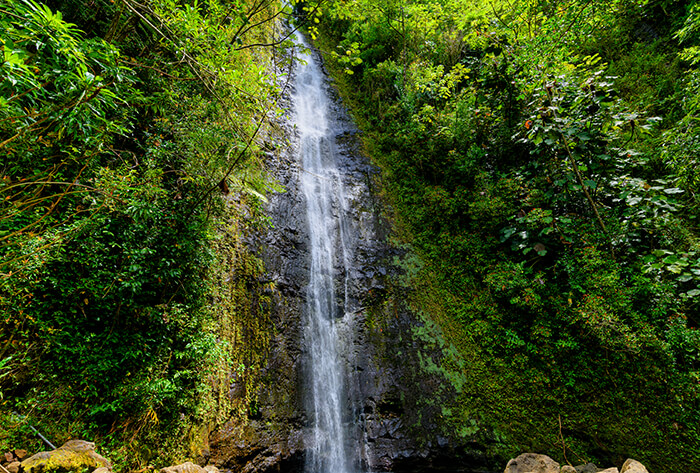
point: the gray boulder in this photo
(587, 468)
(633, 466)
(532, 463)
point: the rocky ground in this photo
(80, 456)
(77, 456)
(535, 463)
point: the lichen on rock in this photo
(74, 455)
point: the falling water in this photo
(323, 190)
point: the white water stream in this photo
(322, 186)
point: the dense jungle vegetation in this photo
(542, 157)
(130, 171)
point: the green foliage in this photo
(57, 86)
(125, 136)
(541, 157)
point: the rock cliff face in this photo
(392, 426)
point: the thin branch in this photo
(388, 21)
(40, 86)
(253, 11)
(163, 73)
(563, 444)
(48, 116)
(50, 244)
(255, 25)
(503, 23)
(5, 12)
(574, 165)
(49, 183)
(30, 204)
(49, 212)
(573, 22)
(241, 153)
(284, 38)
(267, 45)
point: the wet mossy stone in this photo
(72, 456)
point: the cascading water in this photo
(323, 190)
(342, 390)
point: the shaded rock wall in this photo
(392, 415)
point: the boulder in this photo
(609, 470)
(102, 469)
(9, 457)
(633, 466)
(13, 467)
(21, 454)
(587, 468)
(187, 467)
(532, 463)
(74, 455)
(567, 469)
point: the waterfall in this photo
(323, 189)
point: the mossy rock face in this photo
(73, 456)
